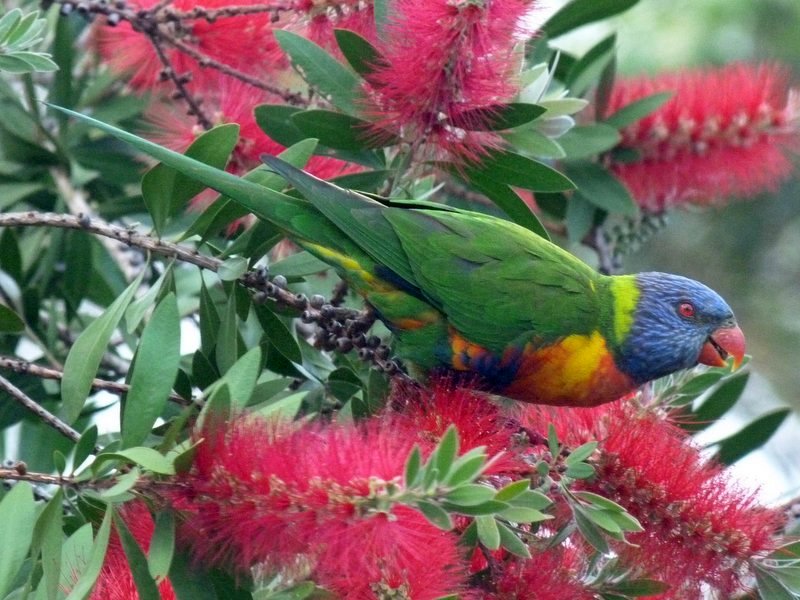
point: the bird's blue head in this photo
(677, 323)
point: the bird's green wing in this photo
(495, 281)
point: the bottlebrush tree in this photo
(268, 443)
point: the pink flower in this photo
(550, 575)
(424, 414)
(261, 494)
(443, 59)
(724, 133)
(322, 17)
(116, 580)
(243, 42)
(700, 527)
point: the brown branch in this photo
(40, 411)
(19, 473)
(27, 368)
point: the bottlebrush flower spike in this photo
(424, 414)
(550, 575)
(700, 528)
(115, 581)
(323, 16)
(443, 58)
(243, 42)
(724, 133)
(261, 494)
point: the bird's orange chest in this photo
(578, 370)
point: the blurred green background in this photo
(749, 251)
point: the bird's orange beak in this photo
(724, 342)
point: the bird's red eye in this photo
(686, 309)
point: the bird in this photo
(483, 298)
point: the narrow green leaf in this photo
(552, 441)
(584, 141)
(75, 554)
(95, 562)
(359, 52)
(413, 463)
(162, 545)
(520, 171)
(242, 377)
(48, 538)
(139, 307)
(635, 588)
(17, 521)
(227, 351)
(579, 217)
(720, 401)
(488, 532)
(150, 459)
(276, 121)
(512, 490)
(232, 268)
(86, 353)
(509, 202)
(531, 499)
(581, 453)
(466, 469)
(601, 188)
(153, 374)
(123, 485)
(7, 24)
(629, 114)
(382, 10)
(435, 514)
(750, 437)
(579, 471)
(770, 587)
(470, 494)
(340, 131)
(510, 541)
(146, 587)
(39, 62)
(590, 531)
(523, 514)
(498, 117)
(285, 408)
(588, 70)
(580, 12)
(278, 334)
(333, 80)
(447, 450)
(490, 507)
(533, 144)
(10, 322)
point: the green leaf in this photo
(146, 587)
(340, 131)
(285, 408)
(7, 24)
(488, 532)
(167, 191)
(10, 322)
(520, 171)
(581, 453)
(510, 203)
(589, 69)
(579, 471)
(589, 531)
(523, 514)
(720, 401)
(579, 217)
(162, 545)
(584, 141)
(361, 54)
(470, 494)
(48, 539)
(435, 514)
(153, 374)
(511, 542)
(333, 80)
(580, 12)
(17, 520)
(242, 377)
(531, 499)
(513, 490)
(533, 144)
(601, 188)
(638, 587)
(232, 268)
(228, 340)
(630, 113)
(278, 334)
(39, 62)
(552, 441)
(446, 451)
(751, 436)
(276, 121)
(96, 557)
(466, 468)
(86, 353)
(148, 458)
(123, 485)
(497, 117)
(412, 467)
(490, 507)
(770, 587)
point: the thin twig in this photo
(28, 368)
(18, 473)
(40, 411)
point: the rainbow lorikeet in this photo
(472, 293)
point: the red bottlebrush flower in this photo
(724, 133)
(424, 414)
(261, 494)
(549, 575)
(115, 581)
(244, 42)
(443, 59)
(326, 15)
(700, 528)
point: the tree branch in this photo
(19, 473)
